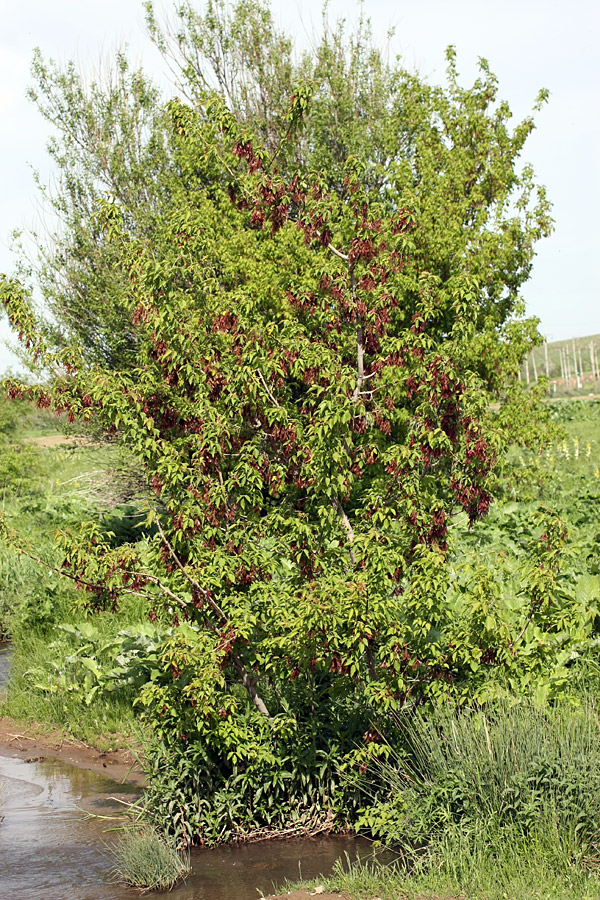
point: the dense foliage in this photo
(448, 152)
(318, 331)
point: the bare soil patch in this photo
(49, 441)
(33, 742)
(312, 895)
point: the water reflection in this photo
(49, 851)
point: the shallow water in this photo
(50, 851)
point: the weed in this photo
(144, 859)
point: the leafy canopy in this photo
(448, 152)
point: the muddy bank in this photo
(31, 742)
(312, 895)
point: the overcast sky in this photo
(529, 44)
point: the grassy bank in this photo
(501, 805)
(63, 656)
(512, 871)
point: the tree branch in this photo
(250, 685)
(347, 526)
(266, 387)
(360, 346)
(338, 253)
(206, 594)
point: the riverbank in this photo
(32, 741)
(309, 895)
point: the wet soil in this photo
(329, 895)
(32, 742)
(311, 895)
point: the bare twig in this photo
(347, 526)
(266, 387)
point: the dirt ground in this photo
(312, 895)
(50, 441)
(32, 742)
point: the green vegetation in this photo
(55, 675)
(348, 574)
(487, 870)
(148, 861)
(449, 154)
(511, 771)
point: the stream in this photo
(49, 850)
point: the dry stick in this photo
(535, 375)
(248, 682)
(527, 371)
(580, 366)
(266, 387)
(547, 361)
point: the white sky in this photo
(529, 43)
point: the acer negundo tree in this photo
(308, 442)
(310, 416)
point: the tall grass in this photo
(518, 768)
(501, 803)
(146, 860)
(470, 869)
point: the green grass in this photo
(37, 692)
(147, 861)
(464, 870)
(44, 490)
(501, 805)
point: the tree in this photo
(112, 138)
(448, 153)
(308, 411)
